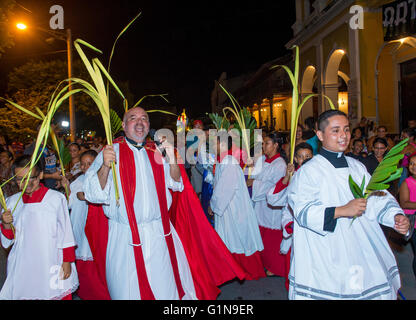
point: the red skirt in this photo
(271, 257)
(287, 269)
(90, 285)
(67, 297)
(252, 265)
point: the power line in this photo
(33, 55)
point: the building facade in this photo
(360, 54)
(267, 93)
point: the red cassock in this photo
(210, 262)
(278, 263)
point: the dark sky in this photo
(175, 47)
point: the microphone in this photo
(156, 141)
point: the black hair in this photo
(85, 146)
(380, 140)
(411, 132)
(358, 128)
(74, 144)
(24, 161)
(410, 157)
(90, 152)
(357, 140)
(9, 154)
(324, 116)
(310, 122)
(303, 145)
(278, 138)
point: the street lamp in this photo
(67, 37)
(21, 26)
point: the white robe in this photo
(353, 262)
(121, 271)
(265, 176)
(235, 220)
(280, 199)
(42, 231)
(79, 212)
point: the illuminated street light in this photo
(65, 124)
(68, 39)
(21, 26)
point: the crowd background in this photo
(369, 144)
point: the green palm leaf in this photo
(65, 156)
(385, 173)
(116, 123)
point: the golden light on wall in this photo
(343, 101)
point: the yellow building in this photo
(361, 54)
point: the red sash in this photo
(127, 173)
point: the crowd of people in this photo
(137, 224)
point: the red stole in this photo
(96, 231)
(210, 261)
(127, 173)
(270, 160)
(37, 196)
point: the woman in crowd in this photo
(6, 162)
(381, 133)
(407, 194)
(379, 147)
(268, 170)
(74, 166)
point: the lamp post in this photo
(67, 37)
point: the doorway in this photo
(407, 93)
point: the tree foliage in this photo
(32, 85)
(6, 35)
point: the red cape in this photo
(210, 261)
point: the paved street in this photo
(272, 288)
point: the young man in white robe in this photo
(40, 265)
(268, 170)
(235, 220)
(335, 257)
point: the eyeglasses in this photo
(30, 179)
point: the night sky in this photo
(175, 47)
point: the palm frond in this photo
(116, 123)
(385, 173)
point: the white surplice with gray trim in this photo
(355, 260)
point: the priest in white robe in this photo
(335, 257)
(141, 262)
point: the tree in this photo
(32, 85)
(6, 36)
